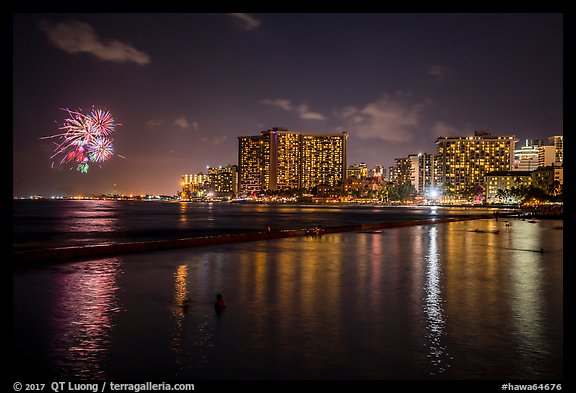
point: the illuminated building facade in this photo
(558, 143)
(428, 174)
(414, 171)
(252, 151)
(192, 184)
(223, 181)
(279, 159)
(526, 158)
(391, 173)
(421, 170)
(194, 179)
(323, 160)
(403, 170)
(504, 181)
(378, 171)
(357, 171)
(548, 177)
(287, 148)
(464, 161)
(546, 155)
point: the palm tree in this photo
(557, 188)
(502, 195)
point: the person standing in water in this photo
(220, 304)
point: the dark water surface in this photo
(443, 301)
(40, 224)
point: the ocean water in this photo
(39, 224)
(479, 299)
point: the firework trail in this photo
(84, 138)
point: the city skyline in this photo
(187, 89)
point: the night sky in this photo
(185, 86)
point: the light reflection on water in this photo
(528, 293)
(425, 302)
(180, 309)
(433, 307)
(82, 321)
(97, 216)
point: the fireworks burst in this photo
(102, 122)
(100, 149)
(84, 138)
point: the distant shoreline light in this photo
(97, 197)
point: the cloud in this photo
(305, 113)
(439, 72)
(219, 139)
(280, 103)
(78, 37)
(153, 123)
(302, 110)
(245, 21)
(182, 122)
(442, 129)
(390, 119)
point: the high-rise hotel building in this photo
(253, 169)
(427, 174)
(323, 160)
(463, 161)
(279, 159)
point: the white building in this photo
(414, 172)
(546, 155)
(526, 158)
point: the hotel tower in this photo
(463, 161)
(279, 159)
